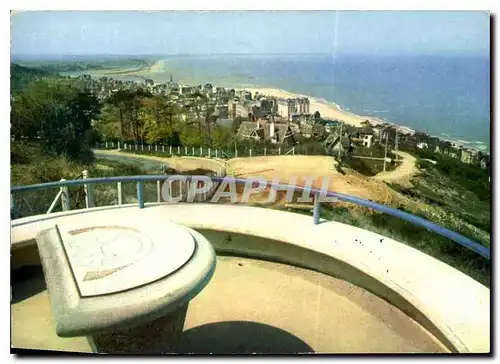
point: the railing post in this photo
(64, 197)
(170, 149)
(12, 207)
(185, 150)
(156, 147)
(149, 147)
(140, 194)
(279, 150)
(142, 147)
(118, 144)
(158, 191)
(119, 192)
(216, 153)
(316, 209)
(250, 152)
(209, 153)
(178, 150)
(236, 153)
(193, 151)
(89, 198)
(54, 202)
(106, 145)
(163, 148)
(264, 151)
(293, 150)
(201, 151)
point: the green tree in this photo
(163, 116)
(222, 137)
(131, 113)
(108, 125)
(59, 114)
(190, 137)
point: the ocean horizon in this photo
(446, 96)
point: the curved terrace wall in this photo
(449, 304)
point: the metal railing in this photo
(460, 239)
(63, 195)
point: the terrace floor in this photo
(253, 306)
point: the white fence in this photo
(197, 151)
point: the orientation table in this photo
(124, 284)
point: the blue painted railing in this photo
(462, 240)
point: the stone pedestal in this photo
(124, 283)
(160, 336)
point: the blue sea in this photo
(446, 96)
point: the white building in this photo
(422, 145)
(367, 141)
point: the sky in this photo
(174, 32)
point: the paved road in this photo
(146, 164)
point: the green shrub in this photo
(422, 164)
(468, 176)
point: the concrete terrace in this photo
(285, 287)
(255, 306)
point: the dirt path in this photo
(283, 169)
(403, 173)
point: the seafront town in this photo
(281, 117)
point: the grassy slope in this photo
(94, 67)
(20, 77)
(446, 202)
(83, 64)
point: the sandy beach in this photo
(327, 110)
(330, 110)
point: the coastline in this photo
(331, 110)
(327, 109)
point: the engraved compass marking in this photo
(90, 276)
(103, 250)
